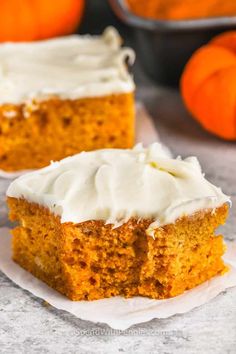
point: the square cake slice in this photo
(119, 222)
(62, 96)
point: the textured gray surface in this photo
(27, 325)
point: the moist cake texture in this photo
(119, 222)
(62, 96)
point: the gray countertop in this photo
(28, 325)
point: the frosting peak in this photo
(114, 185)
(69, 67)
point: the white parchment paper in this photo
(117, 312)
(145, 133)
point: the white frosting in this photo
(114, 185)
(69, 67)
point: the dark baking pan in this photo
(164, 46)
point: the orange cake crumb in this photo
(91, 260)
(31, 135)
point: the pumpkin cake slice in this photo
(119, 222)
(62, 96)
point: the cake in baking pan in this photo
(62, 96)
(119, 222)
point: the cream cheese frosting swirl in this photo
(114, 185)
(69, 67)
